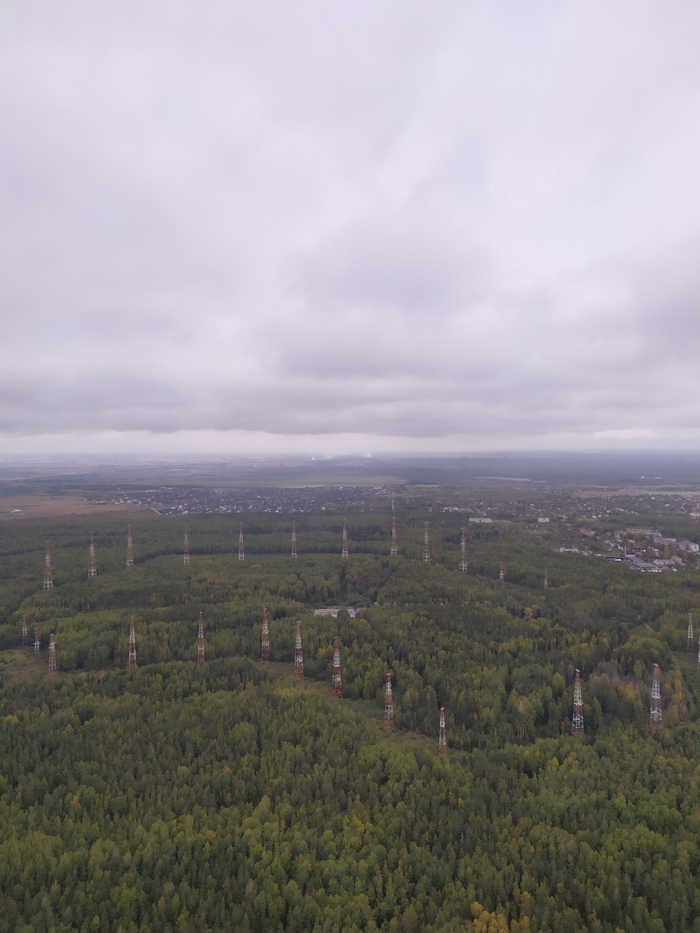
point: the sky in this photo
(349, 226)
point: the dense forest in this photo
(232, 796)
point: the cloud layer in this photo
(438, 225)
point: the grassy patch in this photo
(18, 665)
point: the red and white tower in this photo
(394, 550)
(200, 640)
(48, 573)
(92, 562)
(690, 641)
(577, 721)
(37, 643)
(463, 552)
(294, 540)
(501, 571)
(52, 656)
(442, 741)
(695, 508)
(546, 580)
(655, 714)
(24, 630)
(298, 655)
(344, 552)
(265, 648)
(336, 683)
(388, 702)
(241, 551)
(132, 646)
(186, 555)
(129, 547)
(426, 545)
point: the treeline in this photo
(500, 656)
(227, 796)
(188, 799)
(22, 544)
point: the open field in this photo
(13, 508)
(620, 471)
(18, 665)
(586, 492)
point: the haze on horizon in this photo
(349, 227)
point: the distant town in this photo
(642, 548)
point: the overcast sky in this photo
(349, 226)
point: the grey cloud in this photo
(422, 222)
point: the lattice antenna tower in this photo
(24, 630)
(577, 721)
(129, 547)
(699, 653)
(298, 654)
(92, 562)
(241, 551)
(344, 552)
(426, 544)
(695, 508)
(265, 648)
(131, 663)
(691, 640)
(200, 640)
(655, 714)
(48, 573)
(52, 656)
(442, 741)
(501, 571)
(388, 702)
(37, 642)
(186, 555)
(463, 552)
(394, 550)
(336, 683)
(294, 541)
(546, 580)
